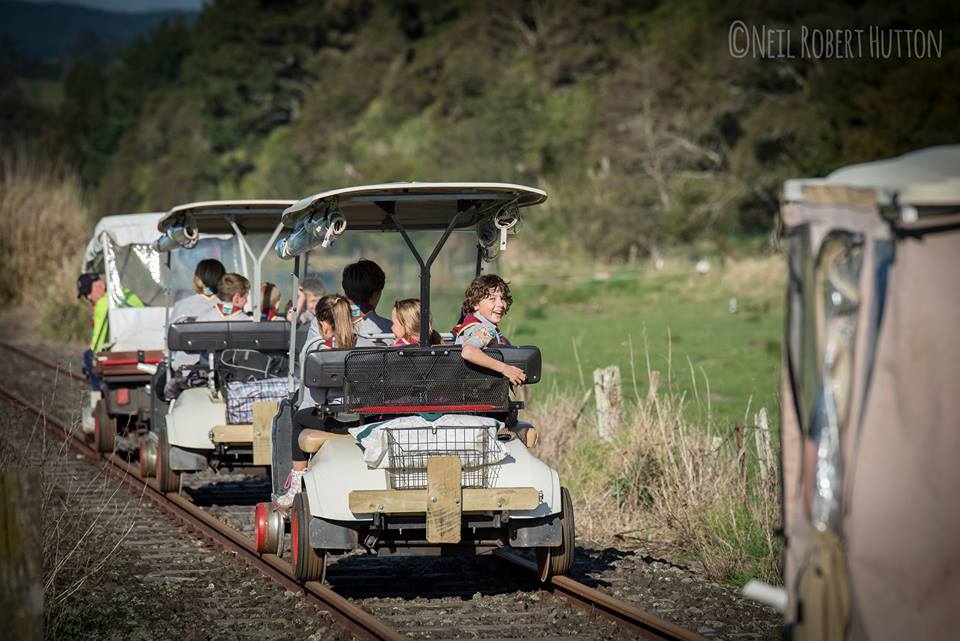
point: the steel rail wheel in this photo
(557, 561)
(104, 428)
(309, 564)
(147, 457)
(168, 478)
(267, 529)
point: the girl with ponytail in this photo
(336, 323)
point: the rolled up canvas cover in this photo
(131, 328)
(899, 509)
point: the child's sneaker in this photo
(293, 486)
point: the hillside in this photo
(51, 31)
(634, 116)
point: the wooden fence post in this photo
(764, 453)
(21, 571)
(606, 389)
(739, 429)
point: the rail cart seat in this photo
(415, 379)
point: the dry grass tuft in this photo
(44, 225)
(43, 221)
(665, 480)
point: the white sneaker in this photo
(88, 422)
(293, 486)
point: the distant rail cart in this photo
(132, 340)
(196, 429)
(871, 408)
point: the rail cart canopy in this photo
(123, 230)
(923, 178)
(418, 206)
(869, 402)
(120, 249)
(212, 216)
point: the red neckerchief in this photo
(469, 321)
(400, 342)
(329, 343)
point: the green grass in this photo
(682, 321)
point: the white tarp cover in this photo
(407, 432)
(927, 176)
(124, 229)
(120, 251)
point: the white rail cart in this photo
(440, 461)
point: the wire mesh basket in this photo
(409, 448)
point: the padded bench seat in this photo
(415, 379)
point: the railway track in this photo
(407, 597)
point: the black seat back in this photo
(414, 379)
(216, 336)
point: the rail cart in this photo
(198, 428)
(440, 460)
(870, 403)
(120, 251)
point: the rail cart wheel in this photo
(267, 528)
(169, 479)
(308, 563)
(104, 428)
(148, 457)
(557, 561)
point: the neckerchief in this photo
(471, 320)
(359, 311)
(226, 310)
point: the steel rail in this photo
(43, 361)
(642, 623)
(351, 617)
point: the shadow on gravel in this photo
(431, 577)
(239, 492)
(591, 563)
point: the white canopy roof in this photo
(211, 215)
(123, 230)
(420, 205)
(928, 177)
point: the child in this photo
(485, 302)
(335, 322)
(205, 278)
(308, 295)
(363, 283)
(269, 302)
(232, 290)
(406, 323)
(336, 328)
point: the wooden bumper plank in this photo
(242, 433)
(415, 501)
(443, 499)
(263, 413)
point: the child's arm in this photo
(475, 355)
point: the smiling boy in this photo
(485, 302)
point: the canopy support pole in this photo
(390, 208)
(292, 358)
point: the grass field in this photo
(680, 319)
